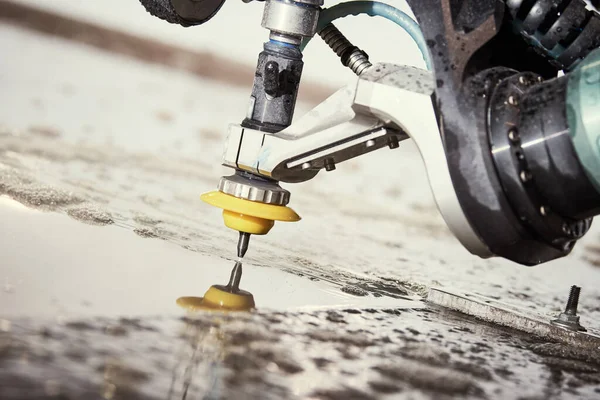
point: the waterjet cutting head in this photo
(251, 205)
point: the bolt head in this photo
(329, 165)
(567, 321)
(525, 176)
(393, 142)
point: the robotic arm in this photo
(511, 150)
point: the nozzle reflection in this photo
(222, 297)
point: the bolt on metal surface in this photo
(393, 142)
(329, 164)
(569, 319)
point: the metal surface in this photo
(498, 312)
(86, 336)
(466, 144)
(517, 130)
(259, 190)
(382, 92)
(290, 18)
(548, 145)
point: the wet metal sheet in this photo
(102, 160)
(496, 312)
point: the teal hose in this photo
(375, 9)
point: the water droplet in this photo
(5, 325)
(8, 287)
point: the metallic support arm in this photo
(354, 121)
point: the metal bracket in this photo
(357, 120)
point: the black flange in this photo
(526, 119)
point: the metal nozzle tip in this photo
(242, 246)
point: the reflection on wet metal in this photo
(218, 298)
(207, 345)
(222, 298)
(236, 276)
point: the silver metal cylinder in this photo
(254, 190)
(285, 38)
(291, 18)
(358, 62)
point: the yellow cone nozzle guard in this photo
(249, 216)
(218, 298)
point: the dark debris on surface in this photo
(273, 355)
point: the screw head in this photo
(570, 322)
(513, 135)
(329, 164)
(512, 100)
(525, 176)
(393, 142)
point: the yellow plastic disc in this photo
(218, 298)
(247, 223)
(249, 216)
